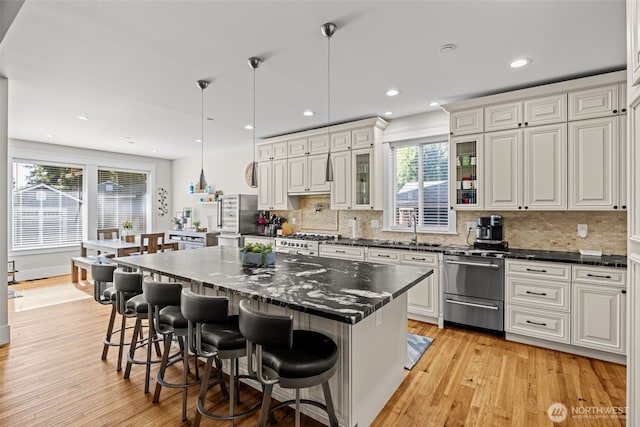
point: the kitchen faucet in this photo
(414, 219)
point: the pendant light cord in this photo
(329, 91)
(202, 129)
(254, 116)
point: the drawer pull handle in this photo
(544, 294)
(536, 323)
(536, 271)
(418, 259)
(470, 304)
(383, 256)
(340, 252)
(598, 276)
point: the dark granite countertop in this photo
(618, 261)
(346, 291)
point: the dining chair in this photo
(150, 243)
(108, 233)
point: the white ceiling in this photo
(131, 66)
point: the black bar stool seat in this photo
(224, 336)
(291, 358)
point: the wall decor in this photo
(162, 202)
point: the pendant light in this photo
(202, 182)
(254, 63)
(327, 30)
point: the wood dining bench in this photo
(79, 267)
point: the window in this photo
(46, 205)
(122, 196)
(420, 184)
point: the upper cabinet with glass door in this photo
(466, 166)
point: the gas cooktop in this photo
(316, 237)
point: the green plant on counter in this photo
(196, 224)
(256, 248)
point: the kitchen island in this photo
(361, 306)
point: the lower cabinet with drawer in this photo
(538, 300)
(423, 298)
(573, 308)
(356, 253)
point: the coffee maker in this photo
(489, 233)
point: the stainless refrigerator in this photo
(237, 215)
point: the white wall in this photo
(4, 315)
(39, 264)
(417, 126)
(224, 170)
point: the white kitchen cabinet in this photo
(545, 110)
(594, 164)
(466, 122)
(340, 141)
(271, 151)
(531, 112)
(306, 175)
(353, 180)
(545, 167)
(537, 300)
(503, 170)
(526, 169)
(272, 186)
(355, 253)
(318, 144)
(423, 298)
(466, 168)
(622, 163)
(362, 138)
(599, 317)
(341, 185)
(633, 25)
(503, 116)
(594, 102)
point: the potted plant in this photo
(196, 224)
(127, 231)
(257, 254)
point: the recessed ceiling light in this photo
(308, 113)
(388, 113)
(198, 140)
(447, 48)
(83, 117)
(520, 62)
(393, 92)
(248, 127)
(434, 104)
(154, 151)
(49, 135)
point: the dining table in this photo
(119, 247)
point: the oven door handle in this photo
(473, 264)
(470, 304)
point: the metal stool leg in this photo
(137, 330)
(333, 420)
(121, 347)
(163, 367)
(203, 390)
(107, 337)
(266, 405)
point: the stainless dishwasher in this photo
(474, 291)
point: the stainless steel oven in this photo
(474, 291)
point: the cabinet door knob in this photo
(519, 207)
(624, 110)
(615, 111)
(624, 206)
(615, 207)
(526, 207)
(623, 291)
(526, 123)
(451, 133)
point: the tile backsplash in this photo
(549, 230)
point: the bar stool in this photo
(127, 285)
(164, 311)
(287, 357)
(215, 335)
(140, 306)
(102, 274)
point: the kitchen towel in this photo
(416, 346)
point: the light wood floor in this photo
(51, 374)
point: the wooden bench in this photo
(81, 264)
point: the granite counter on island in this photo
(361, 306)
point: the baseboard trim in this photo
(44, 272)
